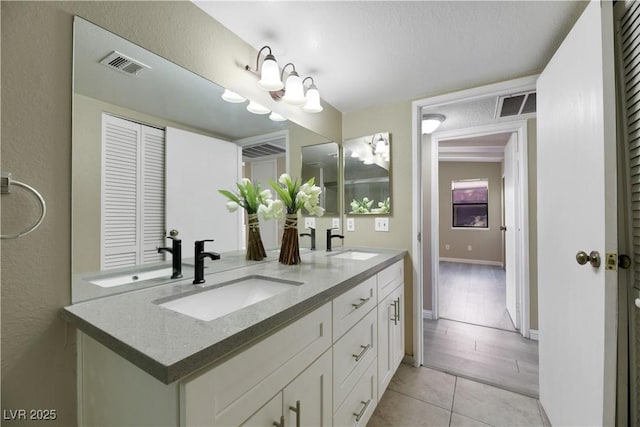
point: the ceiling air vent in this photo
(263, 150)
(119, 62)
(515, 105)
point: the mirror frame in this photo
(386, 135)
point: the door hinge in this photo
(612, 261)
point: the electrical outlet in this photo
(447, 246)
(335, 222)
(309, 222)
(381, 224)
(351, 224)
(469, 248)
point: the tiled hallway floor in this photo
(426, 397)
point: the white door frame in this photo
(519, 127)
(511, 86)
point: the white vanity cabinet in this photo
(247, 383)
(329, 367)
(390, 323)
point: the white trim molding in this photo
(473, 261)
(427, 314)
(533, 334)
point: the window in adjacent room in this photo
(470, 203)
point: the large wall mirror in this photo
(322, 163)
(367, 175)
(149, 96)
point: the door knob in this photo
(173, 233)
(593, 258)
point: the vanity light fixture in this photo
(431, 122)
(293, 90)
(232, 97)
(269, 74)
(312, 104)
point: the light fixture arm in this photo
(255, 71)
(308, 78)
(285, 66)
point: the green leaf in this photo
(283, 193)
(229, 195)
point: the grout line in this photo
(517, 366)
(455, 387)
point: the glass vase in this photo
(290, 249)
(255, 248)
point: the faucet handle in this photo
(175, 239)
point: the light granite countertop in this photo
(170, 346)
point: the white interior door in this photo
(577, 211)
(511, 223)
(262, 171)
(198, 166)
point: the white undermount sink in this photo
(227, 297)
(355, 255)
(125, 279)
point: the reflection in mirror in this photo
(367, 174)
(321, 162)
(175, 117)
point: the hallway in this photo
(473, 293)
(500, 358)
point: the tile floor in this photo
(426, 397)
(494, 356)
(473, 293)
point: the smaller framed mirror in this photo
(321, 161)
(367, 175)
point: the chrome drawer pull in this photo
(364, 348)
(296, 409)
(363, 410)
(395, 313)
(362, 302)
(398, 312)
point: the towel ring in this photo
(6, 189)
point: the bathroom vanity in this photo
(318, 348)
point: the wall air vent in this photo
(119, 62)
(262, 150)
(515, 105)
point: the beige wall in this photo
(395, 118)
(38, 350)
(486, 244)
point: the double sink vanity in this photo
(259, 343)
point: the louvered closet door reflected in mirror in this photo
(132, 193)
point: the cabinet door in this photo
(307, 400)
(385, 352)
(396, 341)
(268, 414)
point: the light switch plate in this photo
(351, 224)
(335, 222)
(381, 224)
(309, 222)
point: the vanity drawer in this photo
(389, 279)
(351, 306)
(225, 394)
(358, 406)
(352, 354)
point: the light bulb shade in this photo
(232, 97)
(256, 108)
(277, 117)
(312, 104)
(270, 75)
(293, 90)
(354, 154)
(381, 146)
(431, 122)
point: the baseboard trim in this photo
(427, 314)
(533, 334)
(409, 360)
(473, 261)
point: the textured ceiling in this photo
(368, 53)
